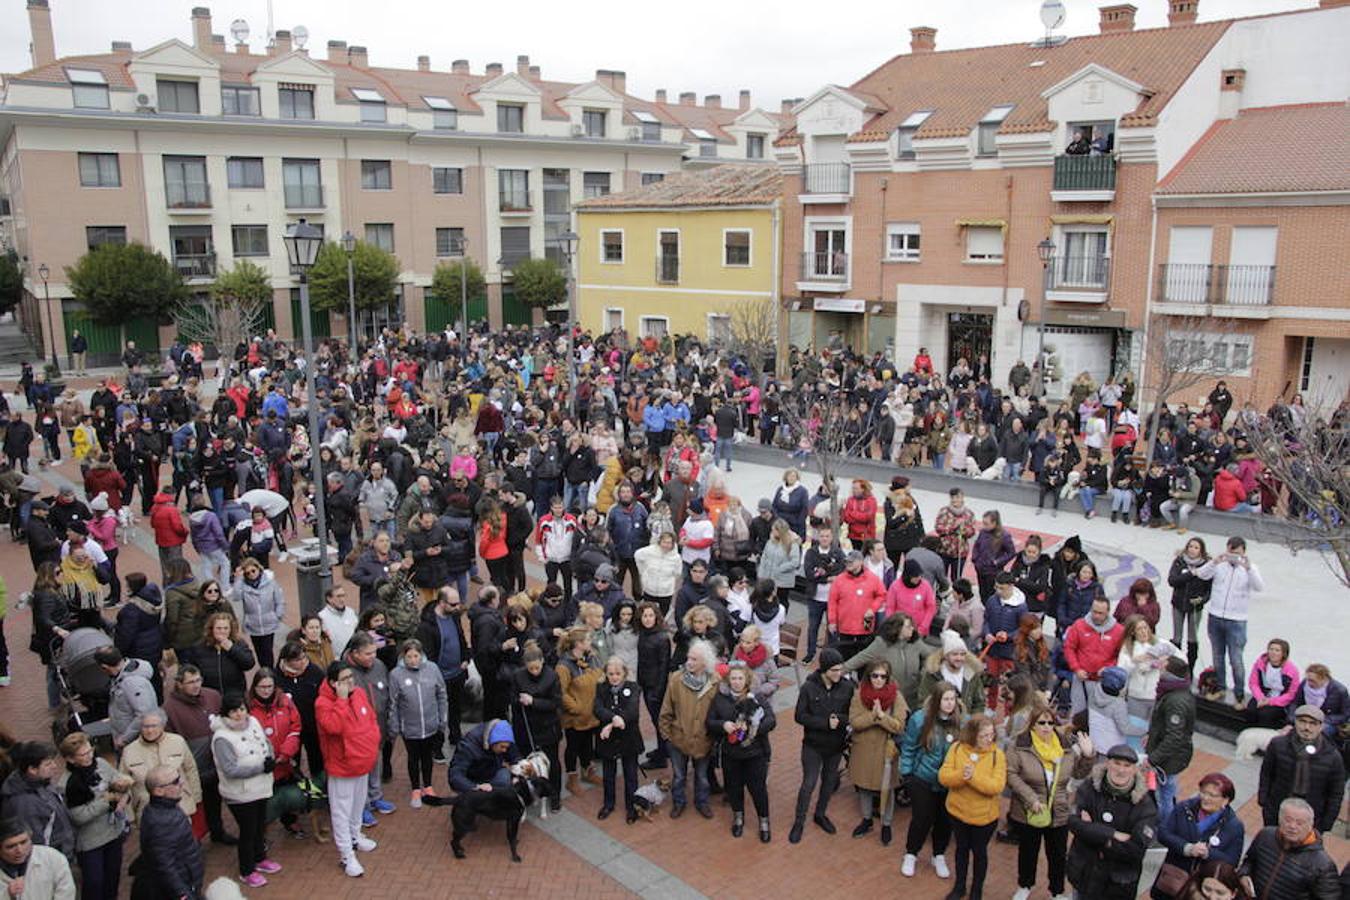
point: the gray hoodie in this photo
(379, 498)
(418, 706)
(264, 605)
(131, 695)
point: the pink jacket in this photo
(1288, 672)
(104, 530)
(919, 603)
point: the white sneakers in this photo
(907, 866)
(364, 844)
(1021, 894)
(352, 866)
(940, 866)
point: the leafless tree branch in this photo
(823, 418)
(1183, 352)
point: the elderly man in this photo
(1287, 861)
(1303, 763)
(1113, 823)
(30, 871)
(170, 865)
(156, 748)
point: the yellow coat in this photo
(84, 442)
(974, 802)
(609, 485)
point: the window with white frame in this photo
(99, 170)
(902, 242)
(613, 318)
(1214, 354)
(736, 247)
(244, 171)
(988, 129)
(177, 96)
(239, 101)
(594, 184)
(984, 243)
(654, 326)
(653, 177)
(593, 121)
(904, 134)
(719, 327)
(510, 118)
(381, 234)
(754, 146)
(1083, 262)
(296, 101)
(449, 241)
(89, 88)
(249, 240)
(611, 246)
(444, 116)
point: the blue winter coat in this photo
(792, 508)
(1182, 827)
(653, 421)
(1000, 616)
(1076, 603)
(628, 529)
(140, 631)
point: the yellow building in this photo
(683, 255)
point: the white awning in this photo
(85, 76)
(366, 95)
(439, 103)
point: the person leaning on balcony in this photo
(1079, 145)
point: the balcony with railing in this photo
(304, 196)
(1078, 279)
(667, 270)
(195, 265)
(1080, 177)
(188, 197)
(514, 202)
(826, 183)
(823, 271)
(1226, 289)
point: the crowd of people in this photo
(449, 466)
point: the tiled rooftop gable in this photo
(725, 185)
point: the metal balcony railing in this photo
(1080, 273)
(825, 178)
(826, 266)
(667, 270)
(514, 201)
(1225, 285)
(1075, 172)
(188, 196)
(304, 196)
(195, 265)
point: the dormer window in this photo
(444, 116)
(707, 144)
(177, 96)
(239, 100)
(511, 118)
(754, 146)
(593, 121)
(988, 129)
(89, 88)
(651, 125)
(296, 101)
(373, 106)
(905, 133)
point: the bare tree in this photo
(752, 334)
(1182, 352)
(233, 313)
(1308, 466)
(822, 423)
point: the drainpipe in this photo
(881, 259)
(1148, 308)
(1007, 243)
(780, 358)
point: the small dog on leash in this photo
(650, 797)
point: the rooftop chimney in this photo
(522, 65)
(218, 44)
(119, 46)
(535, 73)
(424, 63)
(493, 70)
(688, 98)
(614, 79)
(1117, 18)
(357, 58)
(922, 39)
(744, 101)
(337, 51)
(40, 25)
(460, 67)
(201, 26)
(660, 95)
(786, 106)
(281, 43)
(241, 47)
(712, 101)
(1182, 12)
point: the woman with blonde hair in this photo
(591, 616)
(732, 546)
(781, 560)
(974, 774)
(579, 672)
(741, 719)
(98, 797)
(700, 622)
(876, 714)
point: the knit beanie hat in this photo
(951, 642)
(829, 658)
(501, 733)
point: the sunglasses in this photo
(879, 675)
(1050, 723)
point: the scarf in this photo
(1049, 751)
(1315, 696)
(83, 781)
(695, 683)
(755, 658)
(886, 695)
(81, 581)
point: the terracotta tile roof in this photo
(961, 86)
(724, 185)
(112, 65)
(711, 119)
(1268, 150)
(868, 137)
(788, 140)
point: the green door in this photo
(318, 319)
(145, 332)
(269, 318)
(514, 311)
(438, 313)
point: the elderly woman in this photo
(618, 706)
(682, 724)
(98, 797)
(156, 747)
(740, 719)
(1198, 830)
(876, 714)
(732, 546)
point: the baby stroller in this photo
(84, 686)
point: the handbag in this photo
(1171, 879)
(1046, 816)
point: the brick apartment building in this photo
(934, 203)
(207, 154)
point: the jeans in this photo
(1245, 507)
(1029, 840)
(1087, 496)
(1166, 794)
(722, 451)
(576, 494)
(928, 815)
(346, 802)
(815, 615)
(972, 841)
(1012, 472)
(868, 801)
(939, 461)
(679, 763)
(610, 767)
(1052, 493)
(1122, 500)
(1228, 637)
(385, 525)
(216, 565)
(101, 870)
(217, 495)
(817, 766)
(373, 789)
(628, 565)
(1182, 511)
(1189, 618)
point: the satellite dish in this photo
(239, 31)
(1052, 14)
(299, 36)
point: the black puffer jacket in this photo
(1099, 866)
(815, 703)
(1187, 590)
(624, 701)
(726, 708)
(429, 570)
(543, 713)
(1304, 872)
(653, 668)
(1323, 786)
(172, 857)
(459, 544)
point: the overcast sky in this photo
(785, 49)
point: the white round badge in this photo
(627, 692)
(1310, 749)
(408, 682)
(1214, 840)
(1107, 817)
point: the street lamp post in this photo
(44, 273)
(349, 244)
(567, 242)
(464, 291)
(1046, 251)
(302, 249)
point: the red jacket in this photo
(349, 732)
(167, 522)
(105, 481)
(1228, 491)
(281, 723)
(850, 597)
(1087, 649)
(239, 394)
(860, 515)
